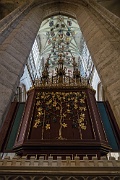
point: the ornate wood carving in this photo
(61, 120)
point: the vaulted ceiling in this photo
(111, 5)
(59, 35)
(7, 6)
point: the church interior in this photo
(59, 90)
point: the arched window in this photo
(100, 92)
(20, 95)
(23, 93)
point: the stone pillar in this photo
(101, 32)
(14, 52)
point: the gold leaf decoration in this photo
(39, 114)
(47, 126)
(37, 122)
(54, 104)
(82, 108)
(39, 109)
(82, 100)
(75, 106)
(64, 125)
(68, 110)
(64, 115)
(38, 103)
(81, 121)
(58, 108)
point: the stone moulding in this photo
(21, 167)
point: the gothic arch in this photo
(22, 93)
(17, 43)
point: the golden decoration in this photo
(48, 103)
(47, 126)
(75, 106)
(75, 101)
(64, 115)
(39, 114)
(37, 97)
(60, 102)
(42, 97)
(58, 108)
(82, 115)
(39, 109)
(37, 103)
(64, 125)
(68, 110)
(37, 122)
(54, 104)
(82, 100)
(81, 121)
(82, 108)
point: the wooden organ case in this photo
(61, 118)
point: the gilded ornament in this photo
(82, 126)
(75, 106)
(47, 126)
(39, 109)
(76, 101)
(58, 108)
(39, 114)
(54, 104)
(82, 100)
(80, 121)
(82, 108)
(35, 125)
(64, 125)
(82, 115)
(68, 110)
(49, 102)
(64, 115)
(37, 122)
(37, 103)
(37, 97)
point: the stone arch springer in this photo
(16, 47)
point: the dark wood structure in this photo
(61, 121)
